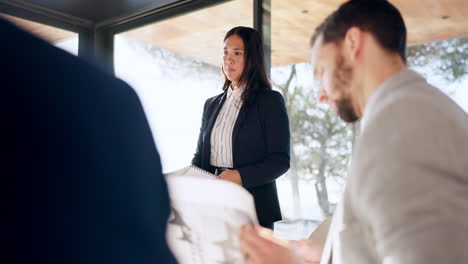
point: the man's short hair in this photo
(378, 17)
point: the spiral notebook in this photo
(193, 171)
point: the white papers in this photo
(191, 171)
(206, 217)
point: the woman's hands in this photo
(232, 176)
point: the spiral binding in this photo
(203, 171)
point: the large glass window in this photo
(321, 143)
(174, 66)
(63, 39)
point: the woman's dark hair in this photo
(254, 68)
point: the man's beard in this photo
(342, 77)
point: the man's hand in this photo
(259, 246)
(232, 176)
(309, 250)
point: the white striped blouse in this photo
(221, 135)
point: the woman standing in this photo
(244, 136)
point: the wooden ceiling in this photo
(293, 22)
(200, 34)
(48, 33)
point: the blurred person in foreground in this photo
(82, 176)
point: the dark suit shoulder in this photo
(269, 93)
(269, 97)
(214, 98)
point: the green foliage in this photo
(447, 58)
(316, 132)
(320, 142)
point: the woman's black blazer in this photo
(261, 143)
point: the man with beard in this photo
(406, 200)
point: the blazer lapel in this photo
(240, 119)
(332, 248)
(327, 250)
